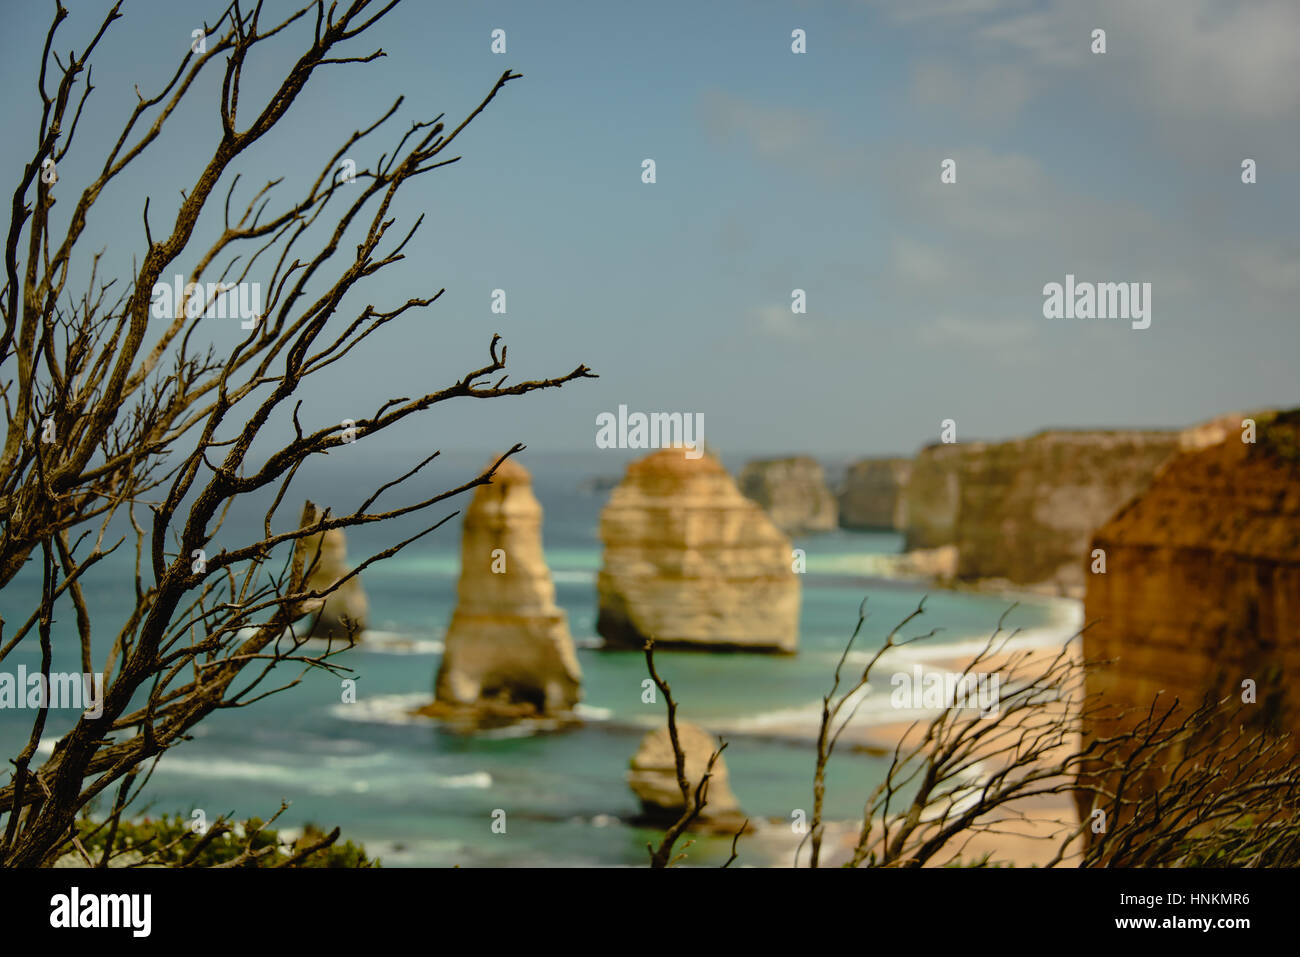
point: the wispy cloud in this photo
(992, 93)
(792, 136)
(779, 322)
(920, 263)
(1195, 58)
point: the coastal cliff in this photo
(1022, 511)
(872, 493)
(932, 497)
(1028, 507)
(508, 651)
(691, 562)
(1202, 584)
(793, 492)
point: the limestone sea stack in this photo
(793, 492)
(691, 562)
(872, 493)
(508, 650)
(343, 612)
(653, 779)
(1201, 588)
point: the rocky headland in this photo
(793, 492)
(1028, 507)
(1201, 589)
(1019, 513)
(871, 495)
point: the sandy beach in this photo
(1024, 833)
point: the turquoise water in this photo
(416, 795)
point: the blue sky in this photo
(777, 171)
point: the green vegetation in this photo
(172, 841)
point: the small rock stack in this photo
(342, 614)
(653, 779)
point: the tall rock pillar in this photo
(508, 648)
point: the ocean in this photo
(416, 795)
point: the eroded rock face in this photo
(1028, 507)
(324, 562)
(793, 492)
(1023, 511)
(691, 562)
(508, 649)
(1202, 583)
(933, 495)
(872, 493)
(653, 777)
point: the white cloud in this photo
(773, 131)
(1196, 58)
(1203, 56)
(1057, 38)
(920, 263)
(780, 133)
(991, 94)
(911, 10)
(780, 322)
